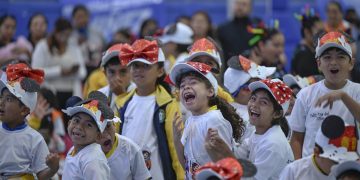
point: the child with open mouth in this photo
(198, 93)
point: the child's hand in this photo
(52, 161)
(216, 147)
(329, 98)
(116, 85)
(177, 126)
(42, 108)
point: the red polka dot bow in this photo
(19, 71)
(203, 68)
(141, 48)
(228, 168)
(280, 90)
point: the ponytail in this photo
(230, 115)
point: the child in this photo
(24, 151)
(117, 75)
(334, 59)
(334, 143)
(198, 93)
(125, 158)
(85, 160)
(147, 112)
(206, 51)
(239, 74)
(348, 170)
(268, 147)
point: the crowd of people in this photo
(187, 101)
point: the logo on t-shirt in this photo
(319, 116)
(147, 159)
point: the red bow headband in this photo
(141, 48)
(15, 72)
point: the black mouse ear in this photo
(106, 111)
(333, 127)
(234, 62)
(98, 96)
(29, 85)
(72, 101)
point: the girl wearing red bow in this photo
(147, 111)
(267, 106)
(24, 150)
(198, 93)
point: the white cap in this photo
(337, 170)
(241, 70)
(182, 34)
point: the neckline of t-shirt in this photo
(149, 97)
(271, 129)
(202, 115)
(328, 90)
(17, 128)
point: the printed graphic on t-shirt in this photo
(319, 116)
(147, 158)
(191, 167)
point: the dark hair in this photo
(321, 150)
(335, 3)
(308, 23)
(112, 61)
(210, 31)
(351, 174)
(277, 108)
(161, 80)
(127, 33)
(50, 97)
(183, 17)
(4, 17)
(332, 48)
(144, 24)
(226, 109)
(61, 24)
(79, 7)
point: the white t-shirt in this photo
(242, 111)
(23, 151)
(138, 126)
(106, 90)
(193, 138)
(303, 169)
(305, 117)
(89, 163)
(270, 152)
(127, 161)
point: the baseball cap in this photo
(278, 89)
(200, 68)
(178, 33)
(96, 107)
(23, 82)
(333, 39)
(204, 47)
(338, 140)
(337, 170)
(302, 82)
(240, 70)
(227, 168)
(113, 51)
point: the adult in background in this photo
(233, 35)
(201, 25)
(62, 62)
(90, 41)
(38, 25)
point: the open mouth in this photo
(2, 112)
(254, 114)
(107, 143)
(188, 97)
(77, 134)
(334, 71)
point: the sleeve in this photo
(298, 114)
(97, 169)
(138, 168)
(264, 162)
(40, 151)
(39, 58)
(287, 173)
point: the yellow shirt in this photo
(95, 81)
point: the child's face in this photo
(336, 65)
(145, 75)
(83, 130)
(12, 111)
(274, 48)
(107, 137)
(118, 77)
(244, 94)
(261, 110)
(195, 95)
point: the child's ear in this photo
(24, 110)
(352, 63)
(278, 114)
(211, 92)
(161, 72)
